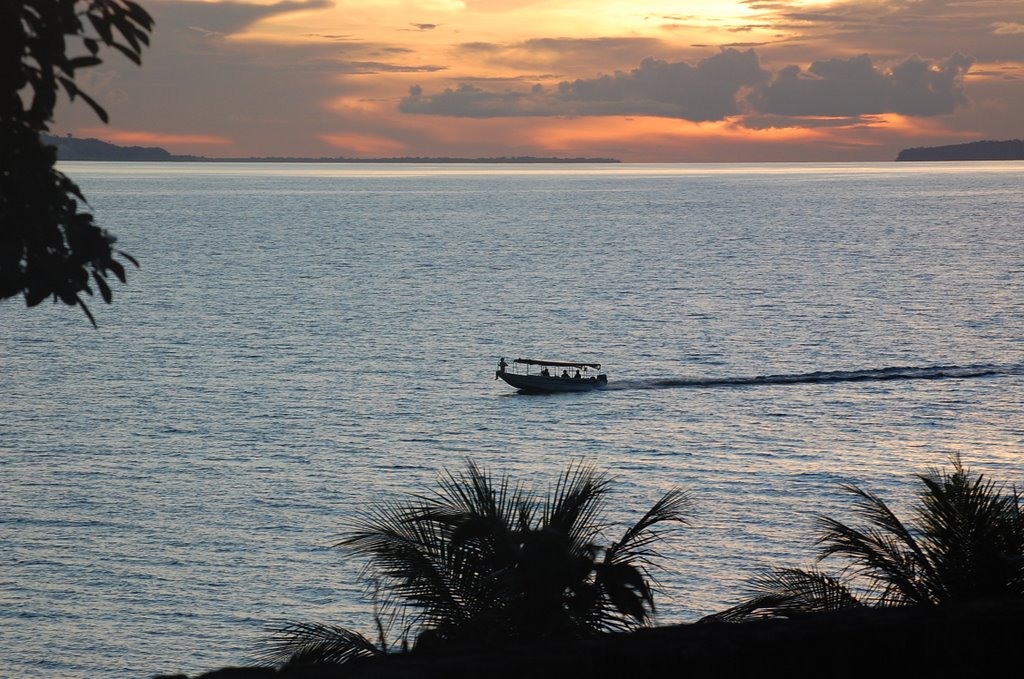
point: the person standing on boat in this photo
(501, 366)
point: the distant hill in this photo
(975, 150)
(72, 148)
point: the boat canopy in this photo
(559, 364)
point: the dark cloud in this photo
(489, 47)
(563, 45)
(734, 45)
(855, 86)
(931, 28)
(331, 36)
(226, 17)
(726, 84)
(569, 54)
(746, 28)
(768, 121)
(470, 101)
(764, 4)
(825, 17)
(609, 48)
(531, 78)
(373, 67)
(707, 91)
(425, 27)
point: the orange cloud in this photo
(150, 138)
(632, 139)
(1007, 28)
(663, 138)
(906, 126)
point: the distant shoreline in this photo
(1012, 149)
(73, 148)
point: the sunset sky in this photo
(657, 81)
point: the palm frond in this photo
(481, 558)
(973, 534)
(886, 551)
(960, 505)
(576, 503)
(626, 586)
(474, 492)
(967, 541)
(881, 558)
(413, 554)
(628, 592)
(876, 513)
(636, 542)
(789, 593)
(309, 643)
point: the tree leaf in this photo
(88, 313)
(129, 258)
(73, 91)
(83, 62)
(102, 26)
(140, 15)
(118, 269)
(128, 52)
(103, 287)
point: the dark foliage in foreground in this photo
(483, 560)
(966, 543)
(48, 247)
(975, 639)
(306, 643)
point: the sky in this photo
(640, 81)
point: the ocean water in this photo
(304, 340)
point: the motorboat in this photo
(545, 377)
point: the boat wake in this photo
(933, 372)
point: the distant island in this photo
(73, 148)
(975, 150)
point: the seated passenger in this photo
(577, 375)
(565, 374)
(545, 373)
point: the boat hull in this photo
(539, 384)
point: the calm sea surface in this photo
(303, 340)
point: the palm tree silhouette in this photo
(967, 542)
(482, 559)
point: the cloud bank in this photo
(727, 84)
(855, 86)
(225, 18)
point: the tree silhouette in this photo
(48, 247)
(482, 560)
(967, 543)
